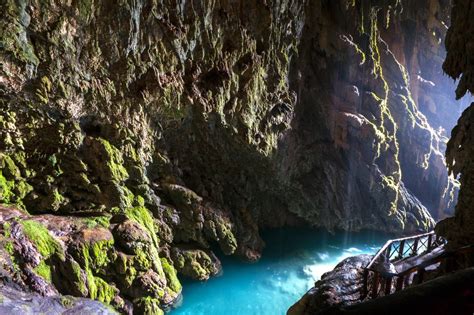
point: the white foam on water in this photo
(323, 256)
(353, 250)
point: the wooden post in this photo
(388, 286)
(387, 252)
(399, 284)
(400, 249)
(415, 247)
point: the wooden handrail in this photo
(390, 242)
(382, 281)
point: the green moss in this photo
(96, 255)
(84, 180)
(6, 187)
(52, 160)
(148, 257)
(10, 170)
(44, 271)
(171, 276)
(92, 222)
(44, 242)
(85, 8)
(46, 83)
(100, 290)
(139, 201)
(142, 260)
(386, 129)
(128, 197)
(114, 161)
(124, 265)
(77, 278)
(227, 240)
(14, 38)
(9, 248)
(21, 189)
(148, 306)
(143, 216)
(6, 229)
(13, 188)
(57, 199)
(63, 89)
(43, 91)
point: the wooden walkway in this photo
(402, 262)
(405, 261)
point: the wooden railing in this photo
(407, 257)
(400, 248)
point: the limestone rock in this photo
(459, 230)
(341, 287)
(17, 302)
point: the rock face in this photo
(341, 287)
(451, 294)
(459, 230)
(114, 260)
(362, 71)
(136, 135)
(17, 302)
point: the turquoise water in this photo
(292, 261)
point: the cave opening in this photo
(236, 157)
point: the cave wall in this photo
(359, 134)
(459, 156)
(146, 127)
(170, 127)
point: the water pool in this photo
(292, 261)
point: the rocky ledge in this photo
(341, 287)
(18, 301)
(114, 259)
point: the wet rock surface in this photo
(459, 230)
(16, 301)
(87, 257)
(361, 83)
(341, 287)
(451, 294)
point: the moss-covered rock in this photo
(195, 263)
(171, 276)
(39, 235)
(94, 258)
(148, 306)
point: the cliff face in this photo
(366, 73)
(153, 130)
(459, 154)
